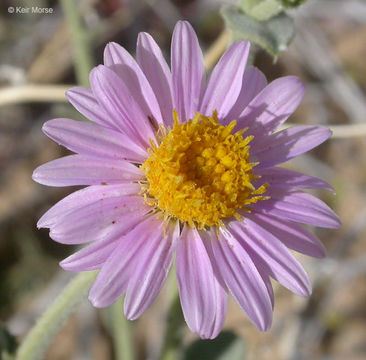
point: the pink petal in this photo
(243, 279)
(119, 60)
(118, 102)
(291, 234)
(299, 207)
(221, 310)
(272, 106)
(188, 71)
(226, 80)
(272, 256)
(83, 197)
(267, 282)
(157, 72)
(99, 220)
(196, 283)
(219, 284)
(83, 100)
(151, 270)
(85, 170)
(253, 83)
(92, 256)
(282, 178)
(289, 143)
(93, 140)
(113, 279)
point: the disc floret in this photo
(200, 172)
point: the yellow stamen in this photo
(200, 173)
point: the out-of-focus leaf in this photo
(263, 9)
(8, 343)
(247, 5)
(273, 35)
(292, 3)
(227, 346)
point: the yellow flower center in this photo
(200, 173)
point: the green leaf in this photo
(265, 9)
(262, 10)
(292, 3)
(247, 5)
(273, 35)
(227, 346)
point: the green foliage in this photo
(247, 5)
(292, 3)
(265, 9)
(227, 346)
(273, 35)
(174, 331)
(261, 10)
(8, 344)
(43, 332)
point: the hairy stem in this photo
(121, 332)
(83, 57)
(174, 323)
(41, 335)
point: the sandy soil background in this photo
(328, 54)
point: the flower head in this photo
(175, 166)
(200, 172)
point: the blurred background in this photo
(328, 54)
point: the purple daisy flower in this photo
(175, 165)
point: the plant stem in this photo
(175, 324)
(33, 93)
(83, 57)
(216, 49)
(339, 131)
(41, 335)
(121, 332)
